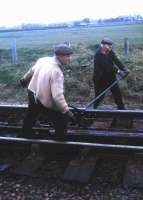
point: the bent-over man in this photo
(46, 92)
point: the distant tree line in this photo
(122, 19)
(131, 19)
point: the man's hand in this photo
(71, 116)
(126, 70)
(123, 73)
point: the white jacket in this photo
(47, 83)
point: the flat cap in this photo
(63, 49)
(107, 41)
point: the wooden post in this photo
(14, 52)
(126, 46)
(67, 43)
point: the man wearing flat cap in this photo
(106, 66)
(46, 92)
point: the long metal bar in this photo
(85, 144)
(101, 94)
(105, 91)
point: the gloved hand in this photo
(23, 83)
(126, 70)
(70, 115)
(123, 73)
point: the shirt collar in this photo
(56, 61)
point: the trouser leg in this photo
(31, 115)
(98, 91)
(116, 92)
(59, 121)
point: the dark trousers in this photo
(58, 119)
(116, 92)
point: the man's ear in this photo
(101, 45)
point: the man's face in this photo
(64, 59)
(107, 47)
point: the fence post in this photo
(126, 46)
(14, 52)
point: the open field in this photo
(86, 35)
(78, 80)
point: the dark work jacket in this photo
(105, 67)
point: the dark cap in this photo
(63, 49)
(107, 41)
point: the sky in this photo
(16, 12)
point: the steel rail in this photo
(45, 127)
(95, 113)
(79, 132)
(58, 142)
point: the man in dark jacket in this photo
(106, 66)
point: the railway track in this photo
(127, 134)
(93, 132)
